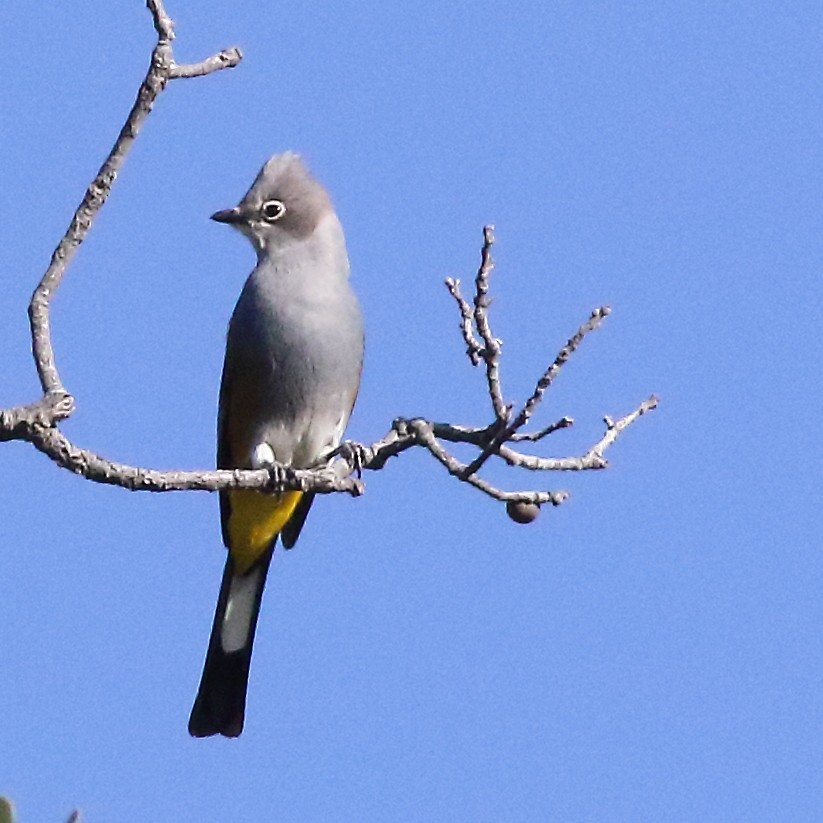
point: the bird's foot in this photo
(355, 454)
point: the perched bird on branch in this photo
(294, 353)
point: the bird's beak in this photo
(228, 216)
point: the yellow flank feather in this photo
(254, 521)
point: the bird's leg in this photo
(279, 474)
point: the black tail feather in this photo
(291, 531)
(220, 705)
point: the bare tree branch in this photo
(533, 437)
(226, 59)
(162, 68)
(491, 345)
(37, 423)
(505, 433)
(473, 349)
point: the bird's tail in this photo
(220, 704)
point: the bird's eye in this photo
(272, 210)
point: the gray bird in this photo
(294, 352)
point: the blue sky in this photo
(649, 651)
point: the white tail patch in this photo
(237, 620)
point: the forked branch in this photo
(38, 422)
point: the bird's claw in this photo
(355, 454)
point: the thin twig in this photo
(504, 434)
(425, 436)
(615, 427)
(226, 59)
(547, 378)
(491, 345)
(533, 437)
(473, 348)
